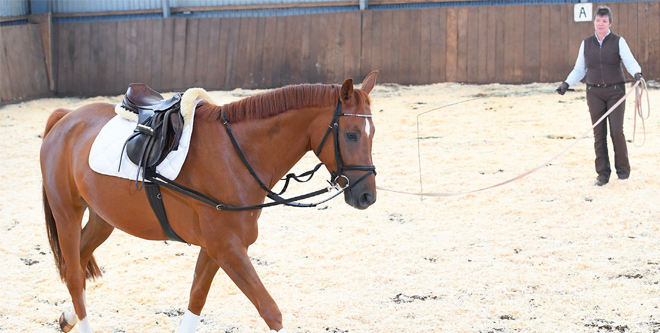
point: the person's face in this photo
(602, 24)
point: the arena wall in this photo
(471, 44)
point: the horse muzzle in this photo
(361, 195)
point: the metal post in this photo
(364, 4)
(166, 8)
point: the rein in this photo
(277, 199)
(638, 110)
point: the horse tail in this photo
(52, 236)
(92, 271)
(51, 227)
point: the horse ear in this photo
(369, 82)
(346, 91)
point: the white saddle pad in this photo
(107, 150)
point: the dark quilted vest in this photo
(603, 63)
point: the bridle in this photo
(341, 167)
(156, 178)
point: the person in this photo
(599, 59)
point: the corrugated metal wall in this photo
(13, 8)
(204, 3)
(78, 6)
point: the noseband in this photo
(341, 167)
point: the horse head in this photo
(349, 143)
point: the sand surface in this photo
(547, 253)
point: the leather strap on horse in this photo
(156, 202)
(447, 194)
(270, 194)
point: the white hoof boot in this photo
(189, 322)
(68, 320)
(84, 326)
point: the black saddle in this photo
(159, 126)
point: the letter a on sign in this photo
(582, 12)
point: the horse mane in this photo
(273, 102)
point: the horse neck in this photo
(277, 143)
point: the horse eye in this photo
(352, 136)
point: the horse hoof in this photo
(64, 325)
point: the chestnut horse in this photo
(274, 130)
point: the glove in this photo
(638, 77)
(562, 89)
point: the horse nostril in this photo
(366, 199)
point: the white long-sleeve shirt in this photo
(580, 69)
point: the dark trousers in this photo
(600, 100)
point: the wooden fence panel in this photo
(653, 69)
(462, 52)
(482, 49)
(472, 57)
(532, 46)
(352, 50)
(120, 60)
(402, 28)
(15, 59)
(368, 36)
(178, 55)
(190, 46)
(23, 72)
(387, 48)
(259, 54)
(156, 80)
(514, 43)
(6, 93)
(438, 50)
(452, 45)
(268, 56)
(167, 48)
(422, 71)
(202, 57)
(278, 49)
(292, 52)
(642, 54)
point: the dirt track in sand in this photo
(548, 253)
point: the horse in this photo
(275, 129)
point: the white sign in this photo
(582, 12)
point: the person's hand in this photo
(562, 89)
(638, 77)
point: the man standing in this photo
(600, 59)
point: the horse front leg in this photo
(205, 271)
(234, 260)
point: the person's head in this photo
(604, 11)
(603, 20)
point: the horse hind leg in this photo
(95, 232)
(63, 219)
